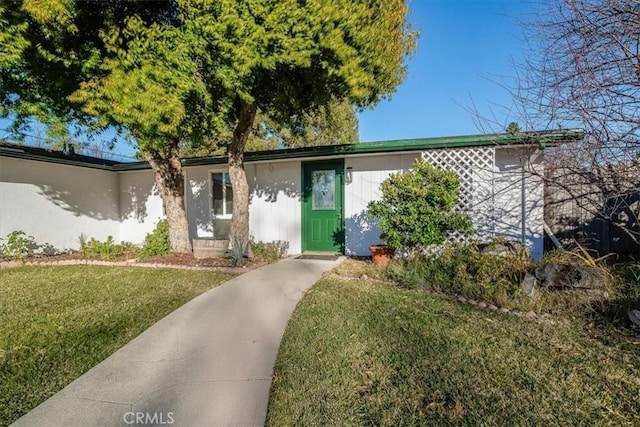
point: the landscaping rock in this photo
(472, 302)
(634, 316)
(482, 304)
(565, 276)
(504, 310)
(364, 277)
(492, 307)
(462, 299)
(531, 315)
(528, 284)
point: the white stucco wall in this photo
(275, 211)
(57, 203)
(141, 206)
(367, 175)
(274, 201)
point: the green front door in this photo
(322, 207)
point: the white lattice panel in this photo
(475, 168)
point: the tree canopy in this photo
(175, 74)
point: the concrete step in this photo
(209, 248)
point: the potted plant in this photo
(382, 254)
(417, 210)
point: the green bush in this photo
(17, 245)
(157, 242)
(417, 207)
(463, 270)
(105, 250)
(269, 251)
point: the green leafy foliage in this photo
(417, 207)
(157, 242)
(17, 245)
(107, 249)
(173, 74)
(463, 270)
(269, 251)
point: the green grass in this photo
(358, 352)
(58, 322)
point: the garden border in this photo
(131, 263)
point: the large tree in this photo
(582, 69)
(111, 63)
(174, 73)
(288, 57)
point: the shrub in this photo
(105, 250)
(269, 251)
(462, 269)
(157, 242)
(18, 245)
(417, 207)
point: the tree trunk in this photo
(170, 182)
(240, 219)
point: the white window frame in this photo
(224, 195)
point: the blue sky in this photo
(466, 48)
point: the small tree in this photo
(417, 207)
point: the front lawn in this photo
(360, 352)
(58, 322)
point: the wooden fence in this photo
(577, 211)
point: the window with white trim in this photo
(221, 194)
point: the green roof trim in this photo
(25, 152)
(541, 139)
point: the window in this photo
(222, 194)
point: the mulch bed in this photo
(176, 261)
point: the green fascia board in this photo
(526, 138)
(40, 154)
(541, 139)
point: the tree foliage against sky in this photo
(173, 74)
(333, 124)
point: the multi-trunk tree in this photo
(173, 74)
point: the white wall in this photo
(519, 197)
(274, 201)
(275, 211)
(498, 198)
(141, 205)
(198, 200)
(57, 203)
(367, 175)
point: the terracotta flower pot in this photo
(381, 254)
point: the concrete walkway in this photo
(209, 363)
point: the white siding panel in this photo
(519, 201)
(275, 211)
(368, 173)
(57, 203)
(140, 205)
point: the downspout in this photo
(523, 205)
